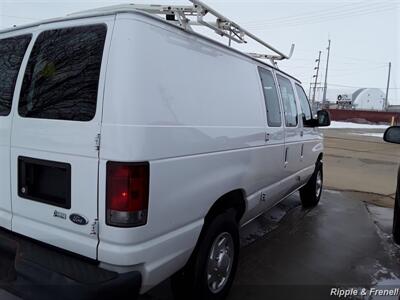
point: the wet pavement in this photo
(293, 253)
(337, 244)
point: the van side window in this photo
(271, 98)
(305, 105)
(12, 51)
(289, 101)
(62, 77)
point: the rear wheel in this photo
(210, 272)
(310, 194)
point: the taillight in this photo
(127, 194)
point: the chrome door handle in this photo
(286, 157)
(302, 153)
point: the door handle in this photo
(302, 152)
(302, 133)
(286, 157)
(267, 137)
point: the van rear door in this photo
(12, 51)
(55, 136)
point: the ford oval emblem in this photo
(78, 219)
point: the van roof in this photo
(133, 8)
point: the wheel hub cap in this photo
(318, 187)
(220, 262)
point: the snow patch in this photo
(348, 125)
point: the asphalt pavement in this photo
(359, 160)
(293, 253)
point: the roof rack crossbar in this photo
(226, 27)
(186, 16)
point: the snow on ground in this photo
(348, 125)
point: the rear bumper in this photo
(34, 270)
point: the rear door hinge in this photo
(97, 140)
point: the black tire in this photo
(192, 281)
(311, 193)
(396, 215)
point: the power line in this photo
(361, 60)
(354, 60)
(324, 13)
(354, 65)
(357, 87)
(328, 15)
(363, 64)
(321, 20)
(297, 16)
(354, 71)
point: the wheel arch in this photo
(232, 200)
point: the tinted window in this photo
(289, 101)
(62, 76)
(12, 51)
(305, 105)
(271, 98)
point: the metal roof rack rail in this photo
(186, 16)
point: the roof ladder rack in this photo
(188, 16)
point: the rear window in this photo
(62, 77)
(12, 51)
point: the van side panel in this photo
(196, 112)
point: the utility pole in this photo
(387, 88)
(316, 78)
(326, 72)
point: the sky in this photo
(365, 34)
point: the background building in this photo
(368, 99)
(362, 99)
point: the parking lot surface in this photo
(359, 160)
(292, 253)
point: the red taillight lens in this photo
(127, 194)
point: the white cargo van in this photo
(132, 149)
